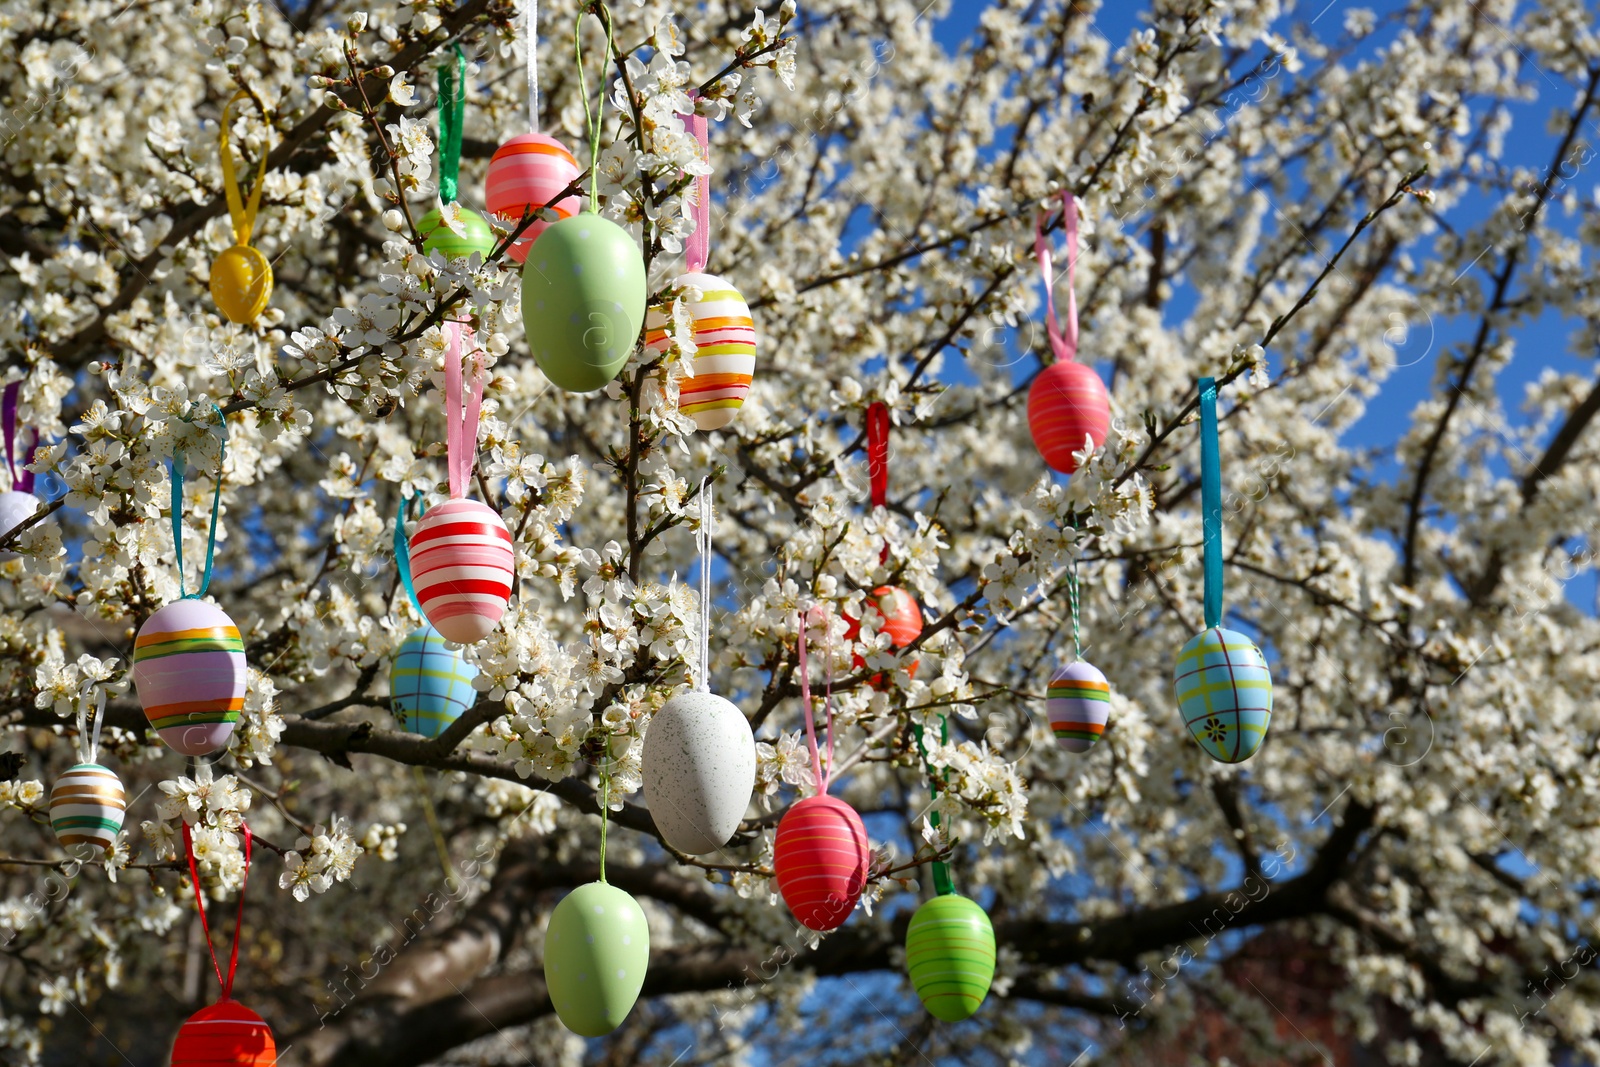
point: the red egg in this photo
(1067, 403)
(821, 857)
(524, 174)
(899, 616)
(226, 1034)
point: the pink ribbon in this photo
(698, 253)
(1064, 343)
(461, 426)
(827, 704)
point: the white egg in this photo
(699, 771)
(15, 508)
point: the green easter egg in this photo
(596, 951)
(950, 955)
(583, 290)
(479, 238)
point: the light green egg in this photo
(950, 956)
(435, 235)
(596, 952)
(583, 292)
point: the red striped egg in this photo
(524, 174)
(725, 356)
(821, 857)
(226, 1034)
(189, 672)
(1067, 403)
(463, 569)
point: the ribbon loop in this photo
(531, 17)
(180, 466)
(402, 548)
(1063, 342)
(242, 215)
(878, 452)
(461, 418)
(592, 119)
(1211, 501)
(703, 540)
(199, 900)
(23, 482)
(942, 883)
(698, 251)
(452, 114)
(823, 778)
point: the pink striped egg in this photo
(725, 363)
(463, 568)
(820, 857)
(1067, 403)
(524, 174)
(189, 672)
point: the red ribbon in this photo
(827, 704)
(698, 252)
(878, 452)
(1064, 343)
(199, 900)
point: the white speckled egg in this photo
(699, 771)
(15, 509)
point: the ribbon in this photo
(461, 421)
(942, 883)
(242, 215)
(878, 460)
(452, 112)
(1064, 343)
(1072, 601)
(703, 541)
(592, 121)
(89, 736)
(23, 482)
(180, 466)
(199, 900)
(402, 547)
(698, 252)
(531, 17)
(827, 704)
(1211, 500)
(605, 805)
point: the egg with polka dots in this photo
(583, 294)
(596, 952)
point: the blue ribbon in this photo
(180, 464)
(402, 550)
(1211, 500)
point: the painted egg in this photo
(583, 291)
(430, 683)
(1066, 403)
(86, 808)
(725, 360)
(950, 956)
(1224, 691)
(524, 174)
(15, 509)
(899, 616)
(821, 856)
(189, 672)
(436, 236)
(699, 767)
(1077, 703)
(463, 568)
(241, 283)
(596, 952)
(226, 1034)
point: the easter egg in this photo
(189, 672)
(430, 683)
(898, 615)
(950, 956)
(524, 173)
(1225, 693)
(226, 1034)
(699, 767)
(86, 807)
(725, 360)
(1066, 403)
(583, 291)
(596, 952)
(463, 569)
(241, 283)
(436, 236)
(1077, 703)
(821, 856)
(15, 509)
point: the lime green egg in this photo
(583, 293)
(437, 236)
(950, 956)
(596, 952)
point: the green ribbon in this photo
(452, 112)
(1211, 501)
(941, 870)
(402, 549)
(180, 465)
(592, 120)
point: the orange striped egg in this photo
(725, 362)
(463, 567)
(189, 672)
(524, 174)
(86, 807)
(821, 856)
(1067, 403)
(226, 1034)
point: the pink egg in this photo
(524, 174)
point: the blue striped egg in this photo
(430, 684)
(1225, 693)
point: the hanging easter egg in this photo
(463, 569)
(475, 236)
(1066, 403)
(15, 509)
(241, 283)
(583, 292)
(821, 856)
(189, 673)
(86, 807)
(596, 952)
(430, 683)
(699, 768)
(524, 174)
(225, 1034)
(1225, 693)
(898, 615)
(950, 956)
(1077, 703)
(725, 360)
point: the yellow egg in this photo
(241, 283)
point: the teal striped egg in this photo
(437, 236)
(430, 684)
(1224, 691)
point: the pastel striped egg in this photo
(821, 856)
(524, 174)
(463, 569)
(189, 672)
(1077, 703)
(725, 362)
(950, 956)
(1067, 403)
(437, 236)
(1224, 691)
(430, 684)
(225, 1034)
(86, 807)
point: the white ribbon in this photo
(703, 539)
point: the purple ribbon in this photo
(22, 483)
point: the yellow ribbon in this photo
(243, 216)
